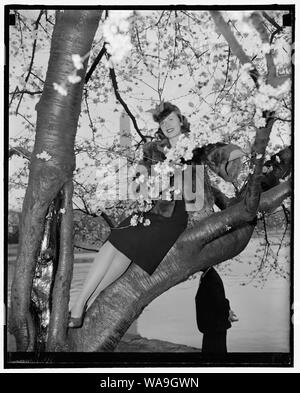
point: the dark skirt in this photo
(147, 245)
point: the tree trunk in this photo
(57, 118)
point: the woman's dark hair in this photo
(162, 111)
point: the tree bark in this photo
(57, 118)
(61, 291)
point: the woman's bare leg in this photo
(118, 266)
(99, 267)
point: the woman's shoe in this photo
(75, 323)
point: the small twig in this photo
(21, 20)
(109, 221)
(139, 47)
(95, 63)
(89, 115)
(20, 114)
(32, 58)
(85, 248)
(36, 76)
(226, 76)
(122, 102)
(86, 208)
(265, 229)
(160, 18)
(13, 95)
(170, 68)
(48, 19)
(34, 46)
(104, 215)
(20, 151)
(32, 93)
(283, 120)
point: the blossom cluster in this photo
(61, 89)
(224, 186)
(136, 219)
(268, 98)
(173, 164)
(115, 32)
(183, 148)
(44, 156)
(73, 78)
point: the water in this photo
(263, 312)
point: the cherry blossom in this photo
(147, 222)
(77, 61)
(44, 156)
(60, 89)
(115, 31)
(74, 78)
(134, 220)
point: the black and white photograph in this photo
(148, 186)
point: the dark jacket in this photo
(212, 307)
(217, 156)
(153, 152)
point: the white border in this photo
(174, 370)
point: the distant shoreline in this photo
(132, 343)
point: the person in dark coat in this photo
(213, 312)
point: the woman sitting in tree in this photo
(143, 244)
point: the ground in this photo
(132, 343)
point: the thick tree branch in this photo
(272, 77)
(245, 211)
(61, 291)
(19, 151)
(278, 167)
(221, 200)
(272, 198)
(235, 46)
(273, 23)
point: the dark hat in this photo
(162, 110)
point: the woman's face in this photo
(171, 125)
